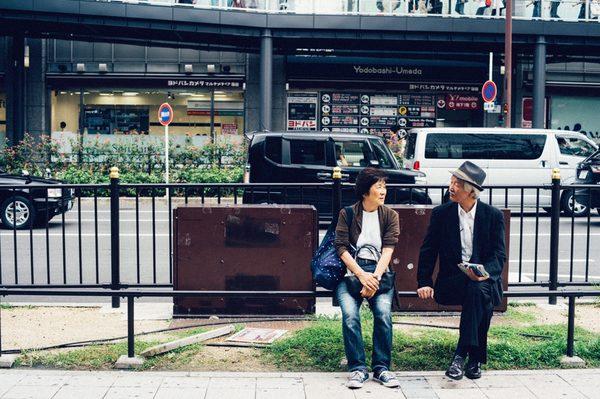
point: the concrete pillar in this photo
(15, 90)
(37, 122)
(266, 79)
(539, 83)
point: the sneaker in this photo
(357, 379)
(387, 379)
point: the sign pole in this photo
(167, 154)
(508, 64)
(490, 66)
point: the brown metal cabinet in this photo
(244, 248)
(414, 220)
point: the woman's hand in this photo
(369, 281)
(367, 293)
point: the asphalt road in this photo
(73, 253)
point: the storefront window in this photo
(111, 113)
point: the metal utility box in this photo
(414, 220)
(244, 248)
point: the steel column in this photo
(266, 79)
(539, 84)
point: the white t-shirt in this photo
(370, 234)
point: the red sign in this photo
(489, 91)
(165, 114)
(302, 125)
(456, 102)
(229, 128)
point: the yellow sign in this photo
(402, 110)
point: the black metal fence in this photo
(108, 247)
(125, 240)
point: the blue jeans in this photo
(381, 306)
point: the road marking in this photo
(547, 260)
(564, 276)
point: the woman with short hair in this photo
(373, 230)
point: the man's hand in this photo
(475, 277)
(425, 292)
(367, 293)
(368, 280)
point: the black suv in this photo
(308, 157)
(30, 203)
(588, 172)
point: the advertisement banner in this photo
(302, 111)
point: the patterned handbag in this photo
(328, 270)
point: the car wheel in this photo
(573, 208)
(24, 215)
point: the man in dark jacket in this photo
(465, 230)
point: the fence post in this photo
(114, 234)
(130, 334)
(336, 198)
(571, 328)
(554, 234)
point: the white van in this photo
(523, 157)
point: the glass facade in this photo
(576, 114)
(112, 113)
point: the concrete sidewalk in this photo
(46, 384)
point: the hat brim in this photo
(460, 175)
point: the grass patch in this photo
(520, 316)
(6, 306)
(320, 347)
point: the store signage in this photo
(224, 108)
(462, 102)
(374, 113)
(229, 128)
(204, 83)
(165, 114)
(302, 111)
(354, 68)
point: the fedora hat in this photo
(470, 173)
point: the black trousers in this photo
(475, 318)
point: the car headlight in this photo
(54, 193)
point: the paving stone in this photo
(498, 381)
(92, 380)
(181, 393)
(419, 393)
(590, 392)
(230, 393)
(130, 393)
(138, 380)
(279, 383)
(504, 393)
(279, 393)
(185, 382)
(80, 392)
(459, 393)
(232, 383)
(444, 382)
(31, 392)
(556, 392)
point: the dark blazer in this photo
(443, 240)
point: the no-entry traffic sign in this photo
(489, 91)
(165, 114)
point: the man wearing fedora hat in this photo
(465, 230)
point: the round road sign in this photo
(489, 91)
(165, 114)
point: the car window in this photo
(484, 146)
(307, 152)
(411, 143)
(382, 154)
(273, 149)
(575, 146)
(351, 152)
(456, 146)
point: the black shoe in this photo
(455, 371)
(473, 370)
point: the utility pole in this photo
(508, 65)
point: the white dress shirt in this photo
(467, 225)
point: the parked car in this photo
(309, 157)
(588, 172)
(508, 156)
(30, 203)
